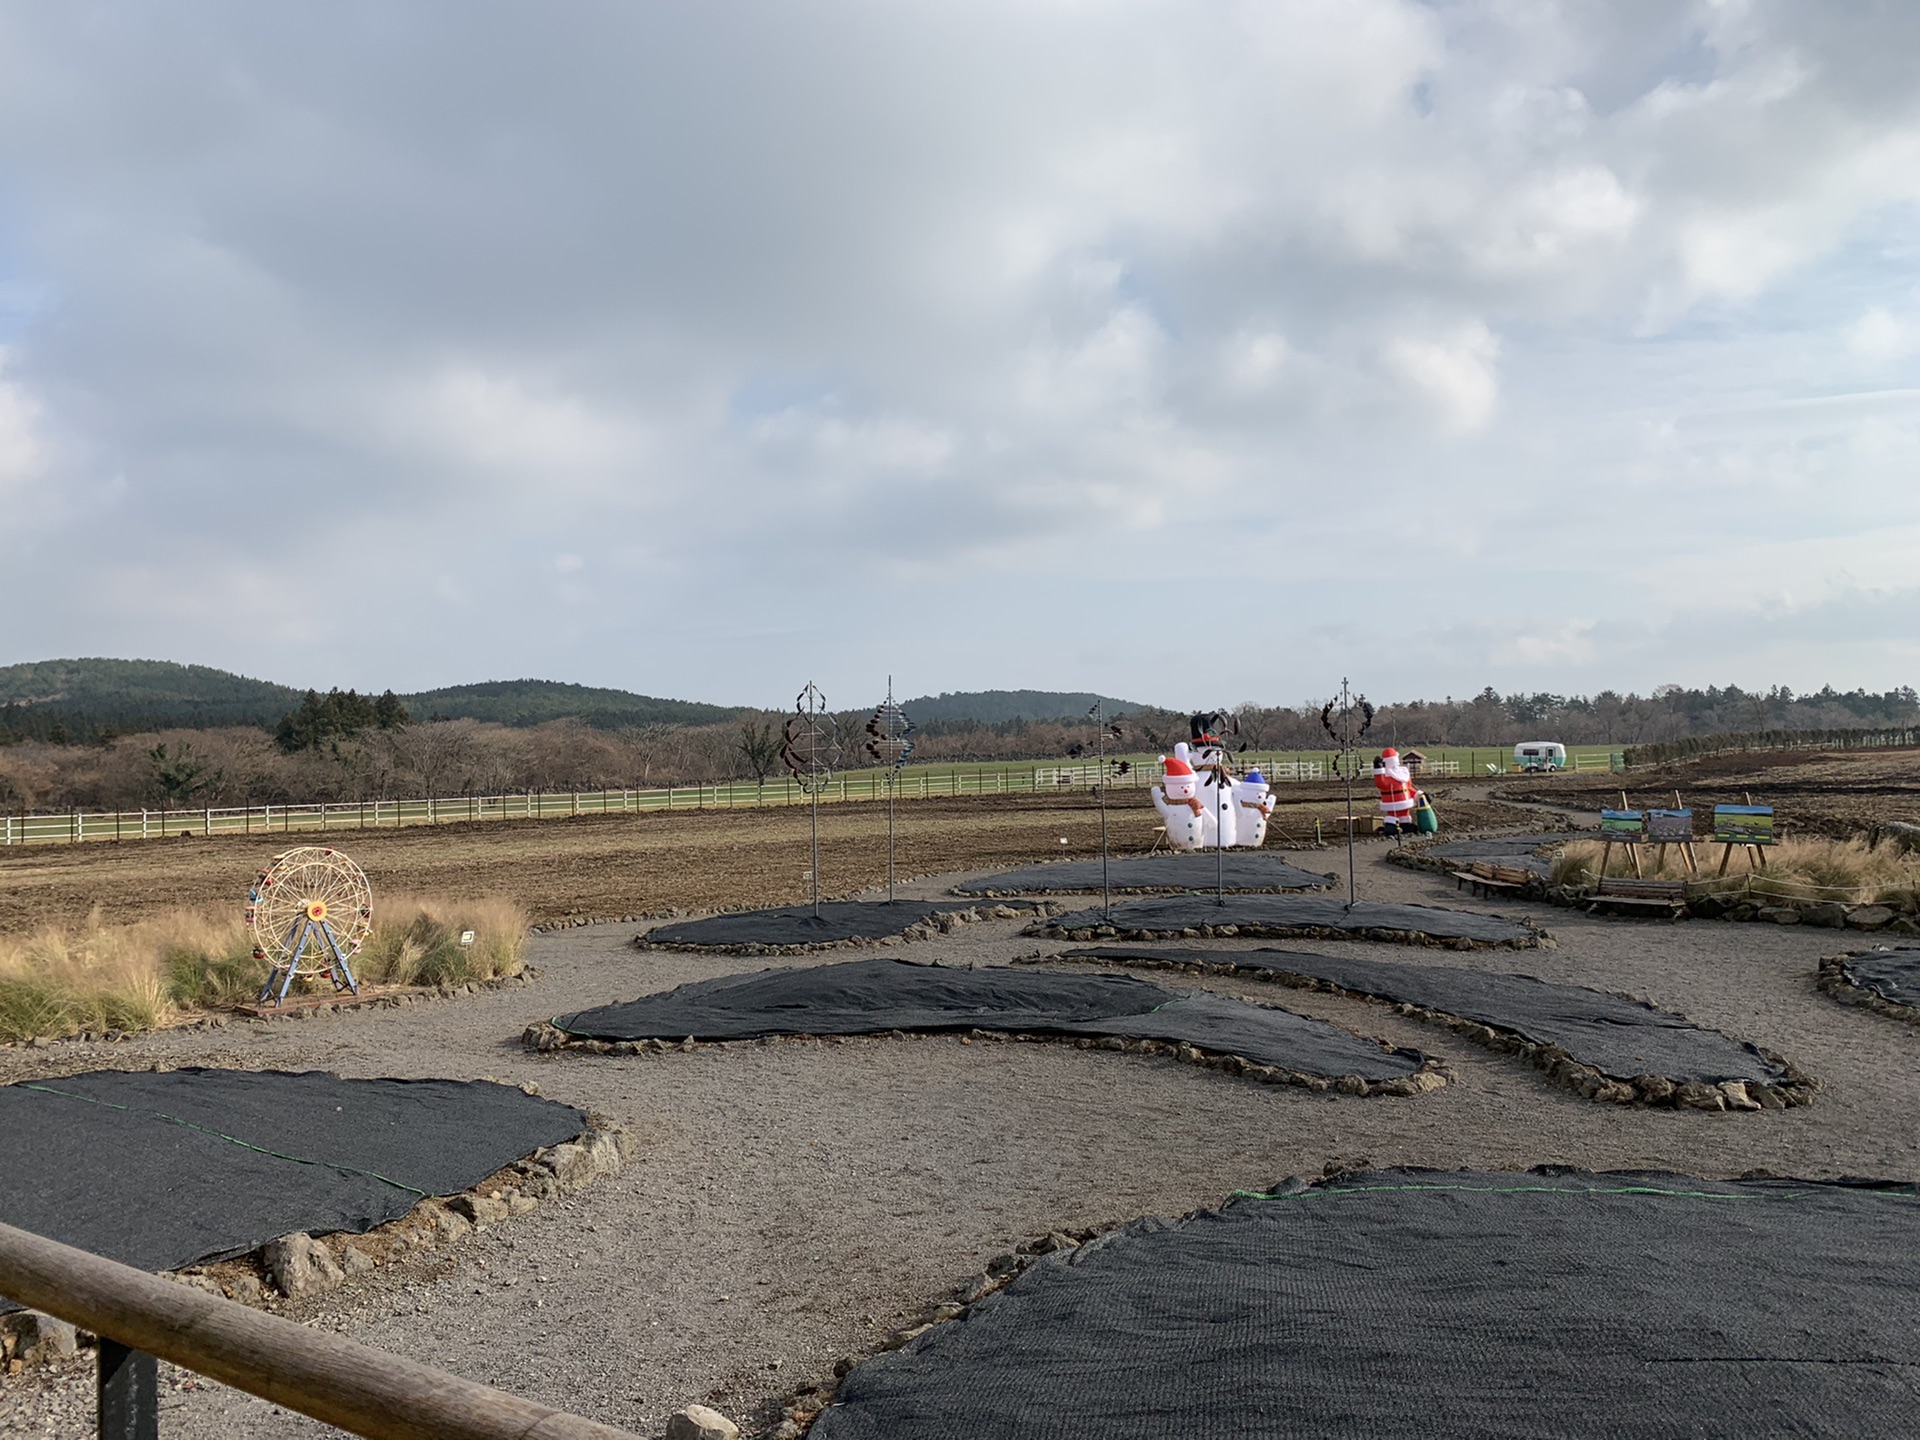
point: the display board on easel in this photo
(1749, 827)
(1626, 828)
(1672, 827)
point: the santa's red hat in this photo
(1175, 765)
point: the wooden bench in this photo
(1486, 878)
(1639, 897)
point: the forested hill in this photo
(91, 695)
(1000, 707)
(94, 698)
(534, 702)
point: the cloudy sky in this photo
(1192, 352)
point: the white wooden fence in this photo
(73, 827)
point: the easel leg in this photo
(1725, 855)
(1633, 854)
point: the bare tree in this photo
(436, 750)
(759, 746)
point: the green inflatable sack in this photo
(1425, 821)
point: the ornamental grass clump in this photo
(101, 978)
(1851, 871)
(105, 978)
(424, 942)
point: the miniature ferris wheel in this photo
(310, 911)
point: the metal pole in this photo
(129, 1393)
(890, 780)
(1100, 747)
(1219, 846)
(816, 854)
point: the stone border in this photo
(1777, 909)
(805, 1404)
(1537, 939)
(1143, 890)
(941, 922)
(1416, 857)
(547, 1038)
(1588, 1081)
(1832, 979)
(300, 1265)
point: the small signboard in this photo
(1743, 824)
(1670, 827)
(1623, 826)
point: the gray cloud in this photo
(1039, 345)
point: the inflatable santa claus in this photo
(1395, 783)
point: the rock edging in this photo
(805, 1404)
(1536, 939)
(943, 922)
(1835, 980)
(299, 1265)
(1589, 1082)
(547, 1038)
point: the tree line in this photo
(342, 747)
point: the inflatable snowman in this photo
(1219, 823)
(1177, 799)
(1252, 804)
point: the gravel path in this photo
(792, 1202)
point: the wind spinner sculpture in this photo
(811, 751)
(888, 742)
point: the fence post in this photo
(128, 1391)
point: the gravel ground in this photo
(793, 1202)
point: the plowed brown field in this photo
(601, 866)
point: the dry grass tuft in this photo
(135, 977)
(1846, 870)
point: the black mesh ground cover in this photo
(1243, 870)
(797, 927)
(1513, 851)
(1620, 1037)
(1886, 980)
(163, 1170)
(872, 997)
(1284, 916)
(1444, 1305)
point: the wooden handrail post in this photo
(129, 1390)
(354, 1387)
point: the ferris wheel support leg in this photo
(296, 947)
(341, 967)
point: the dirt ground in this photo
(793, 1202)
(599, 866)
(1836, 795)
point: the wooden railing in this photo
(354, 1387)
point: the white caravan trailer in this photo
(1540, 755)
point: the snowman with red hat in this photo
(1394, 782)
(1177, 798)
